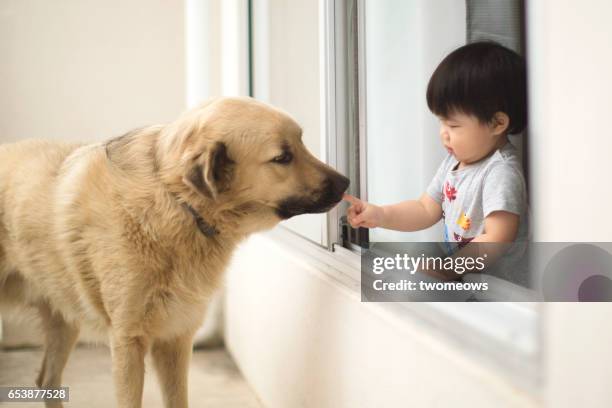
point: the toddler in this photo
(478, 92)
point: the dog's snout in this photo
(323, 200)
(339, 183)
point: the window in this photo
(404, 41)
(285, 72)
(399, 45)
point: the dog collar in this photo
(204, 227)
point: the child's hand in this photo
(363, 214)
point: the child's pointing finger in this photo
(351, 199)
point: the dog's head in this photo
(247, 157)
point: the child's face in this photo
(469, 140)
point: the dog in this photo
(130, 237)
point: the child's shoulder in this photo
(506, 159)
(504, 168)
(507, 154)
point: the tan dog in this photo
(130, 237)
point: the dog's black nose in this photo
(339, 183)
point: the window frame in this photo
(343, 83)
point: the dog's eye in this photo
(284, 158)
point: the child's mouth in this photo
(448, 149)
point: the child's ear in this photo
(499, 123)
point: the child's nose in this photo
(444, 134)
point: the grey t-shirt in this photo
(468, 195)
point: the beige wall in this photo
(89, 70)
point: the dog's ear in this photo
(213, 171)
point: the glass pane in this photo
(404, 42)
(285, 69)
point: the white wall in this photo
(217, 49)
(89, 70)
(303, 339)
(570, 141)
(203, 29)
(570, 144)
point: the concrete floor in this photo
(214, 379)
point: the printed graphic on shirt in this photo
(450, 192)
(464, 222)
(462, 240)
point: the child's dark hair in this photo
(480, 79)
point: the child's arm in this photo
(501, 229)
(411, 215)
(500, 226)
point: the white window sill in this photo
(503, 336)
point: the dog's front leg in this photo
(128, 354)
(171, 359)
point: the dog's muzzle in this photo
(329, 195)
